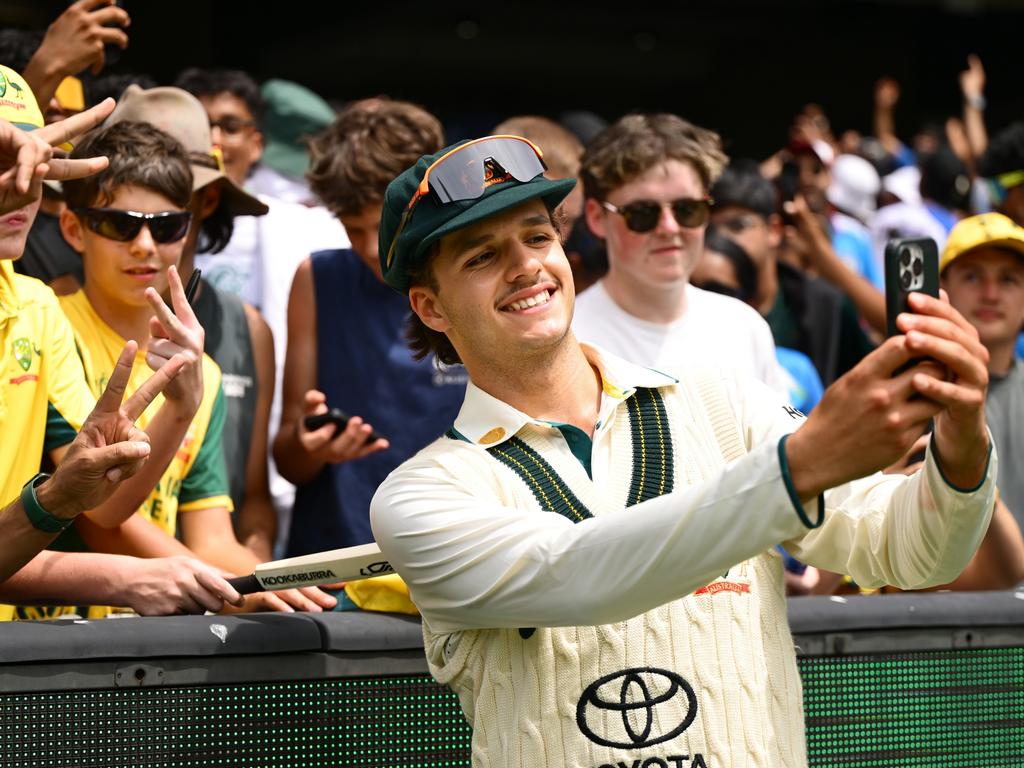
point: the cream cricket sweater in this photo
(651, 634)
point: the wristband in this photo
(976, 101)
(787, 480)
(41, 519)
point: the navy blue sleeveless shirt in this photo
(364, 367)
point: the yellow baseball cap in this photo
(17, 102)
(989, 229)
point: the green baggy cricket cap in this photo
(431, 220)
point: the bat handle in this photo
(246, 585)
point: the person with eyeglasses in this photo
(590, 544)
(130, 223)
(646, 181)
(259, 261)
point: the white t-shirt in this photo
(715, 332)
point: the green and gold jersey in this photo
(44, 398)
(195, 479)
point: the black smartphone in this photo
(339, 419)
(911, 264)
(193, 285)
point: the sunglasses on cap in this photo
(643, 215)
(124, 226)
(467, 171)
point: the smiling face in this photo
(663, 257)
(502, 289)
(986, 285)
(118, 273)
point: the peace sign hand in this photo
(26, 158)
(109, 448)
(177, 333)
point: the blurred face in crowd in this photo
(504, 287)
(715, 272)
(665, 255)
(117, 274)
(1013, 205)
(758, 237)
(986, 285)
(234, 130)
(362, 229)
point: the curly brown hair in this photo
(369, 143)
(636, 143)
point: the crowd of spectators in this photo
(208, 467)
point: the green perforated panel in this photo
(949, 708)
(908, 710)
(392, 721)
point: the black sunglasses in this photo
(124, 226)
(643, 215)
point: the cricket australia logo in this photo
(23, 348)
(636, 708)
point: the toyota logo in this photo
(653, 705)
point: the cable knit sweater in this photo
(640, 634)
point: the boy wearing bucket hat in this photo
(982, 270)
(590, 545)
(45, 400)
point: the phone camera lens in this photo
(905, 257)
(905, 279)
(918, 266)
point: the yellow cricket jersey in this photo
(196, 477)
(44, 398)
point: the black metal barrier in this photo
(896, 681)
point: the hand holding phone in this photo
(339, 419)
(911, 264)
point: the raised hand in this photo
(972, 79)
(109, 448)
(887, 93)
(76, 38)
(938, 331)
(174, 334)
(326, 444)
(27, 157)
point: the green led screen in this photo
(924, 709)
(916, 710)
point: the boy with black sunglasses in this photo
(591, 543)
(646, 181)
(130, 223)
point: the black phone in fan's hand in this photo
(339, 419)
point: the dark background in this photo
(740, 67)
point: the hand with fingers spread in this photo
(326, 444)
(109, 448)
(26, 158)
(175, 332)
